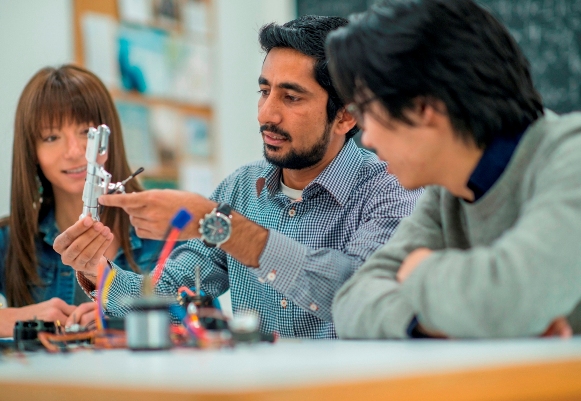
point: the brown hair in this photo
(53, 97)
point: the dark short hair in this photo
(307, 35)
(448, 50)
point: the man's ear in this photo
(426, 111)
(344, 121)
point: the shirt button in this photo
(261, 280)
(271, 276)
(314, 307)
(283, 303)
(292, 213)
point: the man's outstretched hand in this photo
(150, 212)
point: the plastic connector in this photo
(181, 218)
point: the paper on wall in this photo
(100, 46)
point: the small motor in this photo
(147, 326)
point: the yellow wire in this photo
(107, 285)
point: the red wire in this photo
(166, 250)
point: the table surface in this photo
(307, 367)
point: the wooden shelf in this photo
(109, 7)
(165, 173)
(80, 7)
(203, 111)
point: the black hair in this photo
(448, 50)
(307, 35)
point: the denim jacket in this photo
(59, 279)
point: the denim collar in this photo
(50, 230)
(338, 178)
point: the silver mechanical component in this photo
(98, 181)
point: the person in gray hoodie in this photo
(493, 249)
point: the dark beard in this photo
(296, 160)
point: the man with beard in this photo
(282, 234)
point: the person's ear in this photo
(425, 111)
(344, 122)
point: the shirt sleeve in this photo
(522, 281)
(179, 270)
(310, 277)
(180, 266)
(370, 304)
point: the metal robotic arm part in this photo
(98, 179)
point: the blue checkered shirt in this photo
(314, 244)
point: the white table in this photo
(301, 369)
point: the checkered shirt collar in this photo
(338, 178)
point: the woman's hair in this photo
(449, 50)
(52, 98)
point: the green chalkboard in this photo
(339, 8)
(549, 32)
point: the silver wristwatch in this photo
(216, 226)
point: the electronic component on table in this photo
(148, 325)
(26, 334)
(98, 180)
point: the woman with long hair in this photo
(54, 113)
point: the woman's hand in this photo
(53, 310)
(82, 246)
(83, 315)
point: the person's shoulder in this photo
(251, 170)
(371, 166)
(374, 173)
(560, 138)
(547, 157)
(375, 184)
(563, 123)
(556, 128)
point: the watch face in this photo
(216, 229)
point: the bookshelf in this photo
(157, 66)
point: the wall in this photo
(239, 61)
(33, 34)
